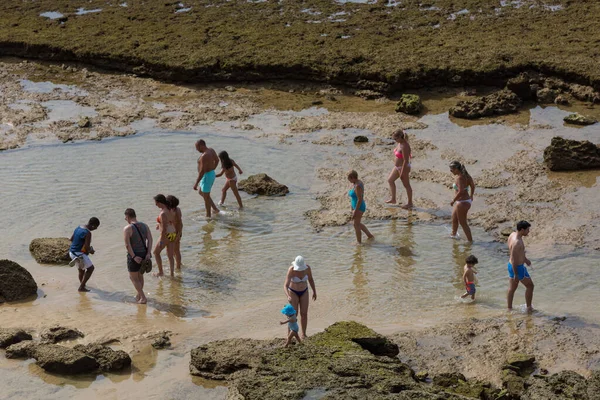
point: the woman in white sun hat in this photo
(298, 277)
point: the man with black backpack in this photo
(138, 242)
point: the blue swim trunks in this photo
(208, 179)
(521, 271)
(471, 288)
(293, 326)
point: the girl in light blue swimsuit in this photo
(292, 322)
(358, 205)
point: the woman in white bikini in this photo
(298, 277)
(462, 200)
(401, 169)
(231, 183)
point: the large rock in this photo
(342, 362)
(107, 358)
(409, 104)
(546, 96)
(561, 386)
(578, 119)
(566, 155)
(499, 103)
(57, 334)
(262, 184)
(63, 360)
(521, 85)
(50, 250)
(16, 283)
(10, 336)
(24, 349)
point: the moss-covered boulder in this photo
(9, 336)
(50, 250)
(346, 361)
(263, 184)
(546, 95)
(409, 104)
(561, 386)
(16, 283)
(499, 103)
(578, 119)
(569, 155)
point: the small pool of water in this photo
(52, 15)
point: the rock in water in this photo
(578, 119)
(50, 250)
(262, 184)
(22, 349)
(10, 336)
(57, 334)
(63, 360)
(107, 358)
(361, 139)
(16, 283)
(569, 155)
(84, 122)
(409, 104)
(499, 103)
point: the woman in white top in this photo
(298, 277)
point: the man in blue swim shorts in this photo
(207, 163)
(517, 271)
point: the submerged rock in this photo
(10, 336)
(578, 119)
(409, 104)
(59, 333)
(262, 184)
(499, 103)
(50, 250)
(568, 155)
(16, 283)
(107, 358)
(346, 361)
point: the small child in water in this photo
(469, 276)
(290, 312)
(231, 178)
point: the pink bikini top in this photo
(399, 154)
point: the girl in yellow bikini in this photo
(166, 224)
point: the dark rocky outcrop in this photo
(568, 155)
(50, 250)
(63, 360)
(562, 386)
(409, 104)
(521, 85)
(546, 96)
(10, 336)
(107, 358)
(162, 341)
(578, 119)
(57, 334)
(262, 184)
(361, 139)
(499, 103)
(340, 363)
(16, 283)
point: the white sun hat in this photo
(299, 264)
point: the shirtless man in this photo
(517, 272)
(81, 247)
(207, 163)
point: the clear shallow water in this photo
(234, 266)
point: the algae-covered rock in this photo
(50, 250)
(499, 103)
(448, 379)
(162, 341)
(9, 336)
(521, 361)
(546, 96)
(361, 139)
(63, 360)
(57, 334)
(521, 86)
(16, 283)
(368, 94)
(107, 358)
(262, 184)
(561, 386)
(409, 104)
(568, 155)
(578, 119)
(513, 383)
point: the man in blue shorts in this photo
(207, 163)
(517, 271)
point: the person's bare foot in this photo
(370, 237)
(530, 310)
(357, 243)
(83, 289)
(391, 201)
(143, 300)
(158, 274)
(303, 336)
(178, 267)
(137, 297)
(407, 206)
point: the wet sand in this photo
(220, 293)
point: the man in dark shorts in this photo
(138, 242)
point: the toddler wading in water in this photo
(228, 169)
(469, 276)
(292, 322)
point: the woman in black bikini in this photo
(298, 277)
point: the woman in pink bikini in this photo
(228, 169)
(401, 168)
(462, 200)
